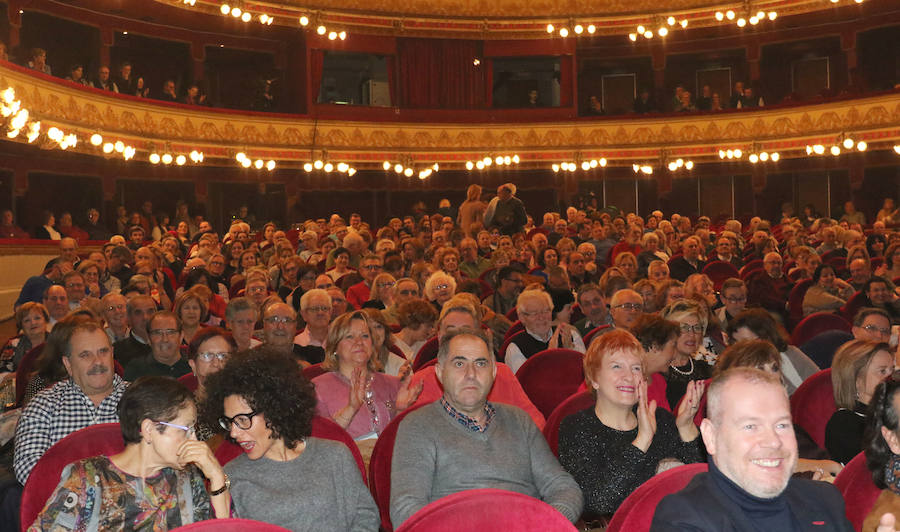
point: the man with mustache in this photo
(750, 437)
(165, 358)
(89, 396)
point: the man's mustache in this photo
(98, 369)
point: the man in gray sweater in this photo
(462, 442)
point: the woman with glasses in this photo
(285, 476)
(156, 482)
(624, 438)
(439, 288)
(354, 392)
(208, 351)
(883, 450)
(828, 293)
(688, 364)
(756, 323)
(381, 296)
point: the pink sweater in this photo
(333, 392)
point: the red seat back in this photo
(313, 371)
(501, 355)
(577, 314)
(812, 405)
(636, 512)
(231, 525)
(23, 372)
(795, 300)
(718, 271)
(753, 265)
(816, 323)
(380, 469)
(859, 490)
(549, 377)
(487, 510)
(513, 314)
(574, 403)
(514, 328)
(852, 306)
(102, 439)
(426, 353)
(322, 428)
(190, 381)
(589, 337)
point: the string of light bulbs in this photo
(488, 161)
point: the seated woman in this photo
(627, 262)
(417, 320)
(827, 293)
(31, 319)
(688, 364)
(341, 264)
(208, 351)
(859, 366)
(883, 450)
(381, 296)
(156, 483)
(284, 477)
(382, 341)
(658, 337)
(756, 323)
(354, 392)
(619, 443)
(439, 288)
(535, 310)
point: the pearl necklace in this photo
(689, 372)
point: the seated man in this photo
(689, 263)
(464, 442)
(280, 328)
(165, 358)
(749, 434)
(91, 395)
(594, 307)
(137, 344)
(770, 289)
(535, 309)
(879, 295)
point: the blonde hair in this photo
(336, 332)
(850, 359)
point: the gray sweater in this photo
(435, 456)
(320, 490)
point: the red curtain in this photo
(316, 59)
(440, 73)
(392, 79)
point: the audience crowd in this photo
(272, 333)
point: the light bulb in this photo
(246, 17)
(71, 139)
(729, 14)
(775, 157)
(96, 139)
(729, 154)
(689, 165)
(861, 145)
(591, 28)
(647, 169)
(263, 18)
(603, 161)
(487, 161)
(318, 164)
(764, 156)
(498, 161)
(342, 35)
(663, 32)
(308, 167)
(304, 20)
(679, 162)
(594, 163)
(585, 165)
(342, 167)
(154, 157)
(721, 154)
(167, 158)
(550, 28)
(225, 9)
(9, 95)
(479, 165)
(772, 15)
(408, 172)
(684, 23)
(670, 21)
(180, 160)
(436, 167)
(236, 12)
(672, 167)
(129, 153)
(108, 148)
(328, 167)
(897, 148)
(632, 37)
(720, 16)
(754, 21)
(754, 158)
(270, 165)
(636, 168)
(119, 146)
(332, 35)
(809, 149)
(555, 167)
(641, 29)
(386, 165)
(579, 29)
(819, 149)
(55, 134)
(321, 30)
(351, 172)
(738, 154)
(848, 143)
(398, 168)
(648, 34)
(741, 22)
(835, 150)
(469, 165)
(563, 32)
(246, 163)
(240, 156)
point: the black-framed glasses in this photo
(243, 421)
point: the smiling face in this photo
(752, 441)
(191, 313)
(202, 367)
(355, 348)
(90, 361)
(535, 314)
(689, 339)
(618, 377)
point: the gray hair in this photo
(305, 298)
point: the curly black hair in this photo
(273, 385)
(882, 413)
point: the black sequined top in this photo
(607, 466)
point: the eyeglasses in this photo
(371, 267)
(208, 357)
(115, 307)
(546, 312)
(320, 308)
(243, 421)
(410, 292)
(875, 328)
(256, 289)
(696, 329)
(736, 299)
(163, 332)
(442, 287)
(275, 320)
(385, 285)
(630, 306)
(189, 432)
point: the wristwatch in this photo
(223, 488)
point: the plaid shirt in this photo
(54, 414)
(467, 421)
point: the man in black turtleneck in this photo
(753, 452)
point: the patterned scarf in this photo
(892, 474)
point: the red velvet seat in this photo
(755, 264)
(718, 271)
(313, 371)
(231, 525)
(577, 314)
(816, 323)
(322, 428)
(795, 301)
(574, 403)
(812, 405)
(23, 372)
(487, 510)
(501, 355)
(589, 337)
(514, 328)
(190, 380)
(859, 490)
(550, 376)
(95, 440)
(636, 512)
(852, 306)
(380, 469)
(513, 314)
(426, 353)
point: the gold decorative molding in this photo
(292, 138)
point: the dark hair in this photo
(540, 258)
(505, 272)
(870, 241)
(469, 286)
(872, 280)
(747, 353)
(763, 326)
(200, 276)
(654, 331)
(204, 334)
(865, 312)
(153, 398)
(163, 314)
(560, 298)
(49, 365)
(337, 251)
(818, 273)
(272, 385)
(881, 414)
(415, 313)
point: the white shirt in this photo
(305, 339)
(514, 357)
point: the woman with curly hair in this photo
(883, 450)
(285, 476)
